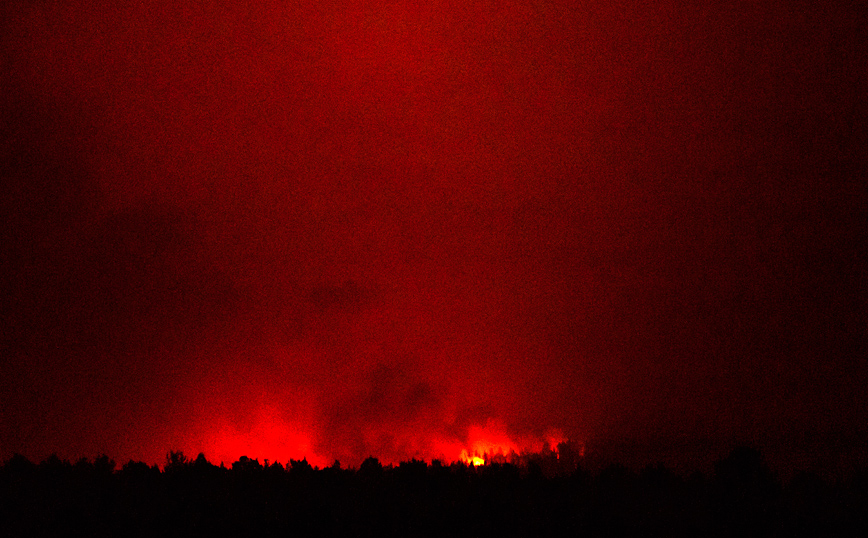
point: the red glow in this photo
(489, 440)
(269, 438)
(554, 438)
(426, 229)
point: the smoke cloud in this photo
(289, 230)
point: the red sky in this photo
(291, 229)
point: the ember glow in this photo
(486, 442)
(269, 437)
(491, 442)
(472, 460)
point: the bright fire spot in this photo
(471, 460)
(491, 443)
(486, 442)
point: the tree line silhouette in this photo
(548, 494)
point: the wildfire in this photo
(487, 442)
(555, 438)
(471, 460)
(271, 436)
(491, 443)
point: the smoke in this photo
(301, 231)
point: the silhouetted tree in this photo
(746, 492)
(742, 498)
(103, 465)
(300, 467)
(175, 461)
(201, 462)
(371, 467)
(246, 465)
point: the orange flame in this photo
(492, 443)
(471, 460)
(485, 442)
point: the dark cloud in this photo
(390, 409)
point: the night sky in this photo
(329, 230)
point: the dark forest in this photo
(545, 494)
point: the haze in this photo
(293, 230)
